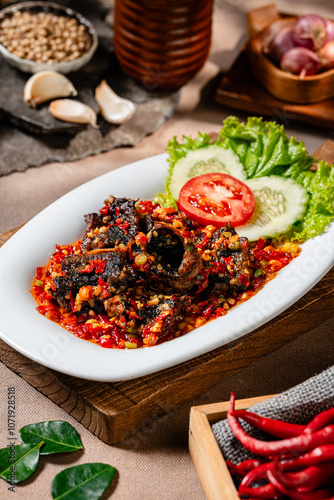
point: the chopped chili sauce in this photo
(163, 277)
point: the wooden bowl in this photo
(279, 83)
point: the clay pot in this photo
(162, 44)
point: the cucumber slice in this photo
(279, 202)
(203, 161)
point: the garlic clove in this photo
(113, 108)
(46, 85)
(72, 111)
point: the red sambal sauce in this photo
(119, 331)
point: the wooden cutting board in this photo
(114, 411)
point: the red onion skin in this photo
(326, 55)
(300, 61)
(310, 31)
(330, 30)
(279, 45)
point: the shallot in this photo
(300, 61)
(305, 48)
(330, 30)
(279, 44)
(310, 31)
(326, 55)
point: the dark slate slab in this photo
(32, 137)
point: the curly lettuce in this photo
(320, 210)
(264, 149)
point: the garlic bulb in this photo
(72, 111)
(113, 108)
(46, 85)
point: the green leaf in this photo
(58, 436)
(82, 482)
(18, 463)
(320, 211)
(264, 148)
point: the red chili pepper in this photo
(299, 444)
(117, 211)
(207, 312)
(71, 320)
(41, 309)
(142, 238)
(259, 472)
(107, 342)
(72, 301)
(104, 210)
(104, 288)
(229, 261)
(244, 280)
(54, 315)
(323, 494)
(37, 289)
(311, 477)
(313, 457)
(104, 318)
(97, 265)
(234, 469)
(145, 207)
(321, 420)
(217, 267)
(58, 258)
(250, 463)
(146, 267)
(146, 332)
(267, 491)
(203, 304)
(133, 304)
(261, 243)
(44, 297)
(124, 226)
(39, 273)
(277, 428)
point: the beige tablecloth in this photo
(155, 463)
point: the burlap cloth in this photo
(155, 463)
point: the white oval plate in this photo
(45, 342)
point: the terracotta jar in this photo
(162, 44)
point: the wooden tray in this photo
(239, 89)
(114, 411)
(205, 452)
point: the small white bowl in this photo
(29, 66)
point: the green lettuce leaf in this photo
(320, 210)
(264, 148)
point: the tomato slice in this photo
(215, 199)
